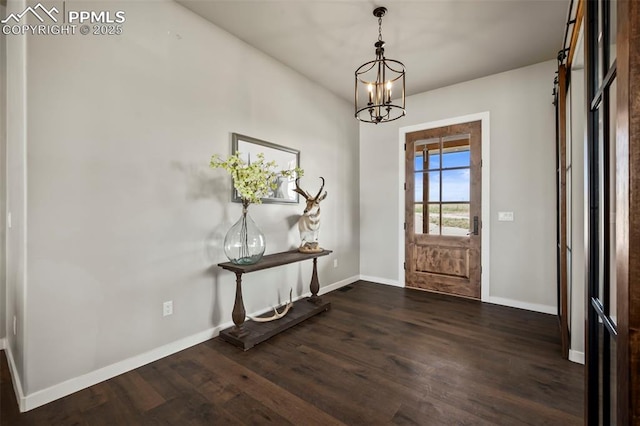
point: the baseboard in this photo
(76, 384)
(337, 285)
(379, 280)
(15, 379)
(576, 356)
(3, 343)
(545, 309)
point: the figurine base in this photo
(310, 248)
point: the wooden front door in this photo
(443, 230)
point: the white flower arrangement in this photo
(255, 180)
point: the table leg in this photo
(315, 284)
(239, 314)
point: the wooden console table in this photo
(246, 335)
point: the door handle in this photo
(475, 225)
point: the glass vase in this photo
(244, 244)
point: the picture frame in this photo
(285, 158)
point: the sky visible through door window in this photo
(455, 183)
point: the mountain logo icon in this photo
(34, 11)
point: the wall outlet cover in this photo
(167, 308)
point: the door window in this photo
(443, 186)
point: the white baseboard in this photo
(378, 280)
(576, 356)
(70, 386)
(3, 343)
(76, 384)
(545, 309)
(15, 379)
(337, 285)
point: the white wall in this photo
(123, 210)
(3, 175)
(523, 263)
(16, 199)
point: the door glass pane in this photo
(612, 202)
(456, 185)
(419, 187)
(434, 219)
(456, 157)
(434, 159)
(456, 219)
(420, 226)
(433, 183)
(612, 380)
(599, 61)
(601, 377)
(602, 206)
(418, 161)
(428, 150)
(613, 28)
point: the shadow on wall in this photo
(214, 272)
(202, 184)
(300, 285)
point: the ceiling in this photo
(441, 42)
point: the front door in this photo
(443, 231)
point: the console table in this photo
(245, 335)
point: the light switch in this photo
(505, 216)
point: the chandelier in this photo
(375, 83)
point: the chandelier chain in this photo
(380, 28)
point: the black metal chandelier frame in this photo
(377, 78)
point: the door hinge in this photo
(405, 226)
(405, 146)
(480, 163)
(405, 266)
(405, 186)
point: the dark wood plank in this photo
(8, 403)
(259, 388)
(273, 260)
(258, 332)
(381, 355)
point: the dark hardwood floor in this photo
(381, 355)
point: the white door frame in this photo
(486, 213)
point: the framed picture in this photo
(285, 158)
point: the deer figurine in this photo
(309, 222)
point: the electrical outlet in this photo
(167, 308)
(335, 263)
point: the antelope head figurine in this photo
(309, 222)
